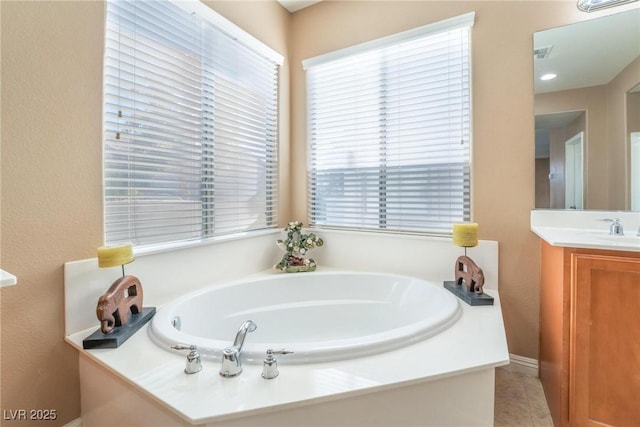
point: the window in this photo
(389, 131)
(190, 125)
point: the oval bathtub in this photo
(320, 316)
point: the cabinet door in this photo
(605, 341)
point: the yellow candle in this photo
(465, 234)
(111, 256)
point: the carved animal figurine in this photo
(124, 296)
(468, 272)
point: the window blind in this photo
(389, 132)
(190, 127)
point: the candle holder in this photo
(119, 309)
(469, 277)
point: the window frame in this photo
(206, 16)
(458, 22)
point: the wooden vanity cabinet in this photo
(590, 336)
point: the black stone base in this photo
(470, 298)
(120, 333)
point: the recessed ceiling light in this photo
(548, 76)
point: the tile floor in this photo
(519, 401)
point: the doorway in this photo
(635, 171)
(574, 172)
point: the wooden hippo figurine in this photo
(124, 296)
(470, 274)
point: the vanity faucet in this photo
(615, 229)
(231, 365)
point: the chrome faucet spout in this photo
(247, 326)
(231, 364)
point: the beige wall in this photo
(51, 190)
(633, 112)
(52, 180)
(557, 139)
(543, 191)
(51, 155)
(503, 130)
(617, 137)
(593, 101)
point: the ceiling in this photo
(295, 5)
(584, 54)
(556, 120)
(588, 53)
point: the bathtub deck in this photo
(447, 379)
(452, 374)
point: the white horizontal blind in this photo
(389, 135)
(190, 128)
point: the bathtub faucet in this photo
(231, 365)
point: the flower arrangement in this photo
(296, 246)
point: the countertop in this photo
(586, 229)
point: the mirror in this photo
(633, 128)
(587, 134)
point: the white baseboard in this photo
(523, 365)
(75, 423)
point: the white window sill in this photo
(7, 279)
(168, 247)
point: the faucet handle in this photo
(194, 364)
(270, 364)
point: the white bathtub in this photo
(320, 316)
(419, 384)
